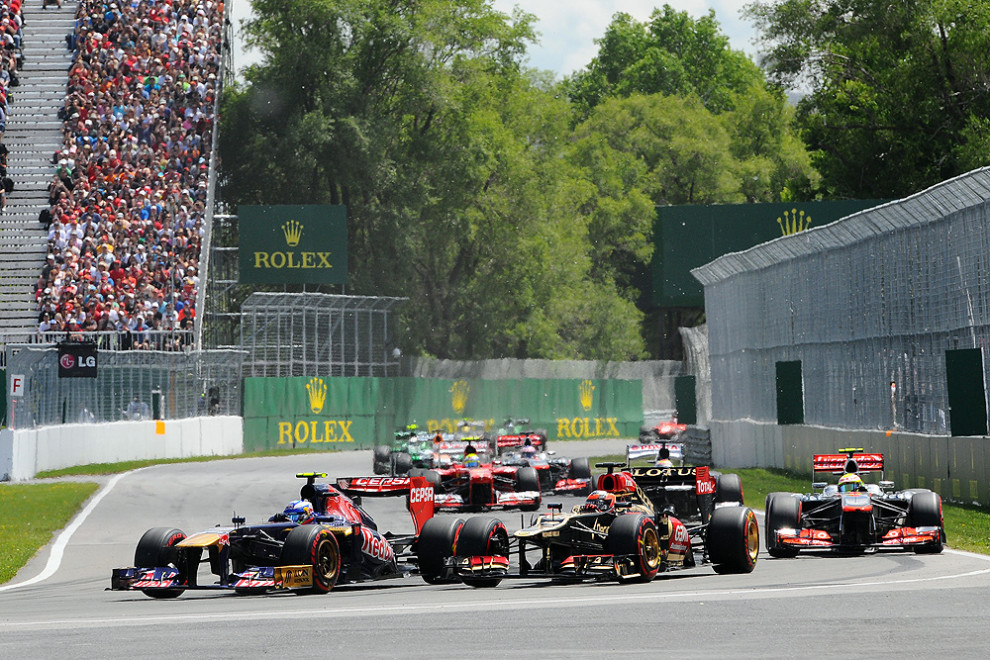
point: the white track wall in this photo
(24, 453)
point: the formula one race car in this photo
(332, 541)
(484, 486)
(655, 452)
(665, 430)
(557, 474)
(410, 448)
(852, 516)
(617, 534)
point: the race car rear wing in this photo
(652, 451)
(839, 463)
(513, 440)
(655, 477)
(418, 490)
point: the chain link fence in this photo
(130, 385)
(316, 334)
(869, 305)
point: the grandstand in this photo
(111, 140)
(33, 134)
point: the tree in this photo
(415, 114)
(671, 54)
(898, 96)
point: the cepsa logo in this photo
(417, 495)
(587, 427)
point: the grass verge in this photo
(32, 513)
(967, 527)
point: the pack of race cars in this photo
(637, 522)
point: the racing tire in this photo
(381, 459)
(580, 468)
(925, 510)
(733, 540)
(483, 537)
(528, 480)
(433, 477)
(783, 511)
(635, 534)
(435, 544)
(728, 488)
(401, 463)
(155, 548)
(316, 546)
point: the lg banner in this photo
(77, 360)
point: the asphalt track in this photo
(886, 605)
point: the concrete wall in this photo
(24, 453)
(958, 468)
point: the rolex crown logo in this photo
(793, 222)
(293, 232)
(586, 390)
(459, 390)
(317, 391)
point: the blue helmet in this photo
(471, 460)
(299, 511)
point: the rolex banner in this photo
(292, 244)
(336, 413)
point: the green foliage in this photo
(452, 164)
(898, 96)
(671, 54)
(32, 513)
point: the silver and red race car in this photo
(340, 544)
(853, 516)
(665, 430)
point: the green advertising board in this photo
(687, 237)
(331, 413)
(304, 244)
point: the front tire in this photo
(733, 540)
(783, 511)
(435, 544)
(528, 480)
(635, 534)
(925, 510)
(312, 545)
(156, 548)
(483, 537)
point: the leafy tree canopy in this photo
(899, 98)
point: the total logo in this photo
(68, 361)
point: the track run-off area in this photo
(880, 605)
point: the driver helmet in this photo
(850, 483)
(599, 500)
(528, 449)
(665, 463)
(471, 460)
(299, 511)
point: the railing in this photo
(106, 340)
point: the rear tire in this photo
(483, 537)
(925, 510)
(435, 544)
(733, 540)
(635, 534)
(156, 548)
(783, 511)
(312, 545)
(728, 488)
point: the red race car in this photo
(473, 483)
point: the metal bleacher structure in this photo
(33, 134)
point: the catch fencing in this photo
(130, 385)
(871, 308)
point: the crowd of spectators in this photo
(127, 202)
(10, 56)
